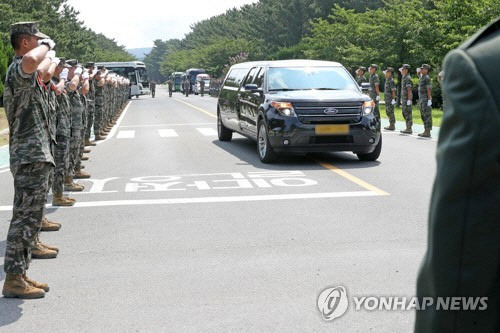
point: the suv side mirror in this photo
(253, 88)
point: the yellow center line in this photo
(351, 178)
(196, 108)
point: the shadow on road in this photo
(10, 309)
(246, 150)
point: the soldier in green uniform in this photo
(390, 95)
(425, 98)
(463, 251)
(187, 86)
(202, 87)
(90, 66)
(407, 98)
(30, 149)
(360, 75)
(170, 87)
(63, 134)
(375, 89)
(99, 104)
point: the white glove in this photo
(429, 102)
(377, 98)
(78, 71)
(56, 61)
(51, 55)
(94, 72)
(64, 74)
(85, 75)
(393, 102)
(47, 41)
(408, 102)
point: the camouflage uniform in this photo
(361, 79)
(90, 109)
(407, 109)
(374, 81)
(389, 87)
(425, 111)
(63, 135)
(99, 109)
(77, 112)
(31, 159)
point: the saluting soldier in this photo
(407, 98)
(375, 89)
(360, 75)
(425, 98)
(30, 149)
(390, 95)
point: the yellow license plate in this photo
(332, 129)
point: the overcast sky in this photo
(137, 23)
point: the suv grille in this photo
(340, 113)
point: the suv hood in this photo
(318, 95)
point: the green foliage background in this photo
(353, 32)
(59, 21)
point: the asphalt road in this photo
(177, 232)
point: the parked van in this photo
(298, 106)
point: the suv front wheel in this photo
(264, 148)
(374, 155)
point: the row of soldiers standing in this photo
(390, 93)
(51, 107)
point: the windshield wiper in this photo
(325, 89)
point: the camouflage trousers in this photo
(31, 189)
(376, 111)
(90, 120)
(74, 150)
(389, 110)
(61, 157)
(426, 114)
(98, 118)
(407, 114)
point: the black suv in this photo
(298, 106)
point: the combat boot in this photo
(391, 127)
(33, 283)
(69, 185)
(407, 130)
(84, 158)
(86, 150)
(81, 175)
(100, 137)
(49, 225)
(89, 143)
(39, 244)
(60, 200)
(42, 252)
(426, 134)
(16, 286)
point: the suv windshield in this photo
(309, 78)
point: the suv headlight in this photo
(284, 108)
(368, 107)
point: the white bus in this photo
(135, 71)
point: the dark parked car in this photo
(298, 106)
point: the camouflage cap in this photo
(90, 64)
(362, 68)
(101, 67)
(29, 28)
(373, 66)
(425, 66)
(72, 62)
(406, 66)
(389, 69)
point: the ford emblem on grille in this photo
(331, 111)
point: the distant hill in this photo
(140, 52)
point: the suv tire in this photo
(264, 149)
(374, 155)
(223, 132)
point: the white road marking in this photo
(207, 131)
(167, 125)
(126, 135)
(168, 133)
(113, 130)
(3, 171)
(246, 198)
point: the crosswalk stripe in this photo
(167, 133)
(207, 131)
(126, 135)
